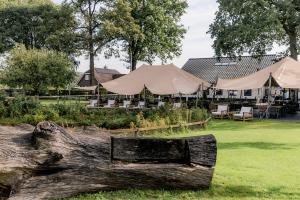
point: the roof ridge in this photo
(267, 55)
(104, 68)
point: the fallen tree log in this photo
(47, 162)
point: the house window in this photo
(219, 92)
(247, 93)
(87, 77)
(233, 93)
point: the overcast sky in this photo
(196, 43)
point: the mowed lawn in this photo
(256, 160)
(68, 102)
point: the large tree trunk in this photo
(293, 44)
(49, 162)
(133, 55)
(134, 63)
(92, 66)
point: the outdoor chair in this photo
(140, 105)
(126, 104)
(221, 112)
(246, 113)
(160, 104)
(258, 101)
(274, 112)
(110, 104)
(176, 105)
(93, 104)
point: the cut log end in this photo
(56, 163)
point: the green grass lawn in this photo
(55, 101)
(256, 160)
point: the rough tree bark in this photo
(49, 162)
(293, 44)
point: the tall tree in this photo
(147, 29)
(7, 3)
(91, 35)
(37, 24)
(36, 70)
(254, 26)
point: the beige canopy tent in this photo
(158, 79)
(284, 74)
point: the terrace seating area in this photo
(156, 81)
(276, 110)
(280, 76)
(154, 86)
(135, 103)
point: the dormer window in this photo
(87, 77)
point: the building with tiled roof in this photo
(210, 69)
(102, 75)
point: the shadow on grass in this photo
(256, 145)
(243, 191)
(216, 192)
(227, 125)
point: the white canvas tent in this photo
(284, 74)
(158, 79)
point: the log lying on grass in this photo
(49, 162)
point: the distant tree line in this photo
(254, 26)
(144, 29)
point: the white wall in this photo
(256, 93)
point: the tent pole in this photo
(197, 96)
(197, 99)
(269, 94)
(180, 98)
(145, 94)
(202, 93)
(241, 95)
(214, 90)
(98, 95)
(270, 85)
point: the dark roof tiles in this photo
(210, 69)
(106, 71)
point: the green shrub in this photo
(34, 119)
(21, 105)
(50, 114)
(29, 110)
(61, 109)
(3, 96)
(2, 109)
(119, 122)
(199, 114)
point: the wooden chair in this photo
(246, 113)
(221, 112)
(110, 104)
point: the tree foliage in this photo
(36, 24)
(92, 38)
(36, 70)
(254, 26)
(147, 29)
